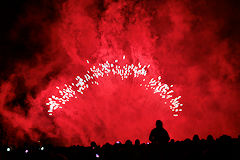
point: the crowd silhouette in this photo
(161, 147)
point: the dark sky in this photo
(18, 29)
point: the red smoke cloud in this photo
(193, 46)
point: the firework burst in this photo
(70, 91)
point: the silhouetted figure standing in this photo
(159, 135)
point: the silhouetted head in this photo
(159, 124)
(172, 141)
(196, 138)
(187, 141)
(225, 139)
(93, 144)
(128, 142)
(106, 146)
(137, 142)
(210, 138)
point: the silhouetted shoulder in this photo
(159, 135)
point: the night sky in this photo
(193, 45)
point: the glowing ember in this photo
(68, 92)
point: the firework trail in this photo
(69, 91)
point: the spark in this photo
(77, 88)
(97, 156)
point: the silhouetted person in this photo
(137, 142)
(128, 143)
(210, 139)
(159, 135)
(196, 139)
(224, 139)
(93, 145)
(172, 141)
(187, 141)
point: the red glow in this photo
(180, 40)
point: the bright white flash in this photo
(97, 156)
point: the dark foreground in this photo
(224, 147)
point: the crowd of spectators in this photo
(224, 147)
